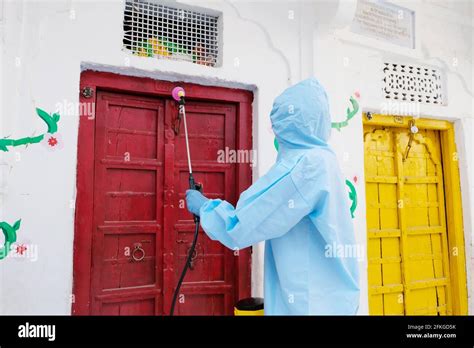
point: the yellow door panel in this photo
(385, 276)
(408, 256)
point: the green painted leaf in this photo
(43, 114)
(17, 224)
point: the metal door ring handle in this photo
(139, 250)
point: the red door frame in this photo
(85, 167)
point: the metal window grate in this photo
(406, 82)
(157, 30)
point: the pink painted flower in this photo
(53, 141)
(20, 249)
(357, 94)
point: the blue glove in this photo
(195, 200)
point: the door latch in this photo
(177, 121)
(413, 131)
(87, 92)
(193, 258)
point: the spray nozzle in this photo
(178, 94)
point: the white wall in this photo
(276, 43)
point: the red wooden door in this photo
(140, 230)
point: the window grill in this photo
(406, 82)
(160, 31)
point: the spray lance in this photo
(178, 94)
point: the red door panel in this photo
(127, 235)
(209, 284)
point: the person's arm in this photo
(269, 213)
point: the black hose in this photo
(186, 266)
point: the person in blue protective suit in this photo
(300, 208)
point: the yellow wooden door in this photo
(408, 257)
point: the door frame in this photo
(453, 199)
(105, 81)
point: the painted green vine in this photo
(51, 122)
(349, 115)
(10, 231)
(352, 197)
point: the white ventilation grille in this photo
(413, 83)
(160, 31)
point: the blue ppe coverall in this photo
(300, 209)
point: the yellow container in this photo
(249, 307)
